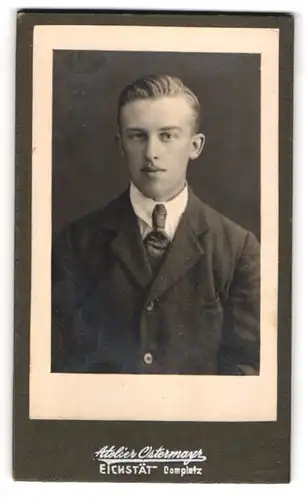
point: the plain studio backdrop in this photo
(88, 170)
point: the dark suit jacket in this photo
(199, 315)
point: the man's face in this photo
(157, 139)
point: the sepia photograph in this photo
(155, 223)
(159, 279)
(152, 266)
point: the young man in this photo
(157, 281)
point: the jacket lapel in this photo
(129, 248)
(127, 244)
(185, 249)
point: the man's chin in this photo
(153, 192)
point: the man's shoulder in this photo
(219, 221)
(93, 230)
(103, 217)
(223, 231)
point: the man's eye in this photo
(166, 136)
(137, 136)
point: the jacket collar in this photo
(143, 208)
(185, 249)
(119, 214)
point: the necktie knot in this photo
(159, 216)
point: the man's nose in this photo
(151, 148)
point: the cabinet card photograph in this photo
(155, 222)
(153, 183)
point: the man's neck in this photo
(143, 208)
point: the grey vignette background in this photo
(88, 170)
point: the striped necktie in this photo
(157, 241)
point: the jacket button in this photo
(149, 306)
(148, 358)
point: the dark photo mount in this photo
(98, 449)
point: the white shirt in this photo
(143, 208)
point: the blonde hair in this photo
(155, 86)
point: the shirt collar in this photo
(143, 207)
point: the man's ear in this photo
(198, 142)
(118, 140)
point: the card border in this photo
(37, 454)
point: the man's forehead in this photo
(170, 101)
(158, 109)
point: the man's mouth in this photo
(152, 169)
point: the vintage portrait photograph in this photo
(153, 194)
(160, 216)
(154, 279)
